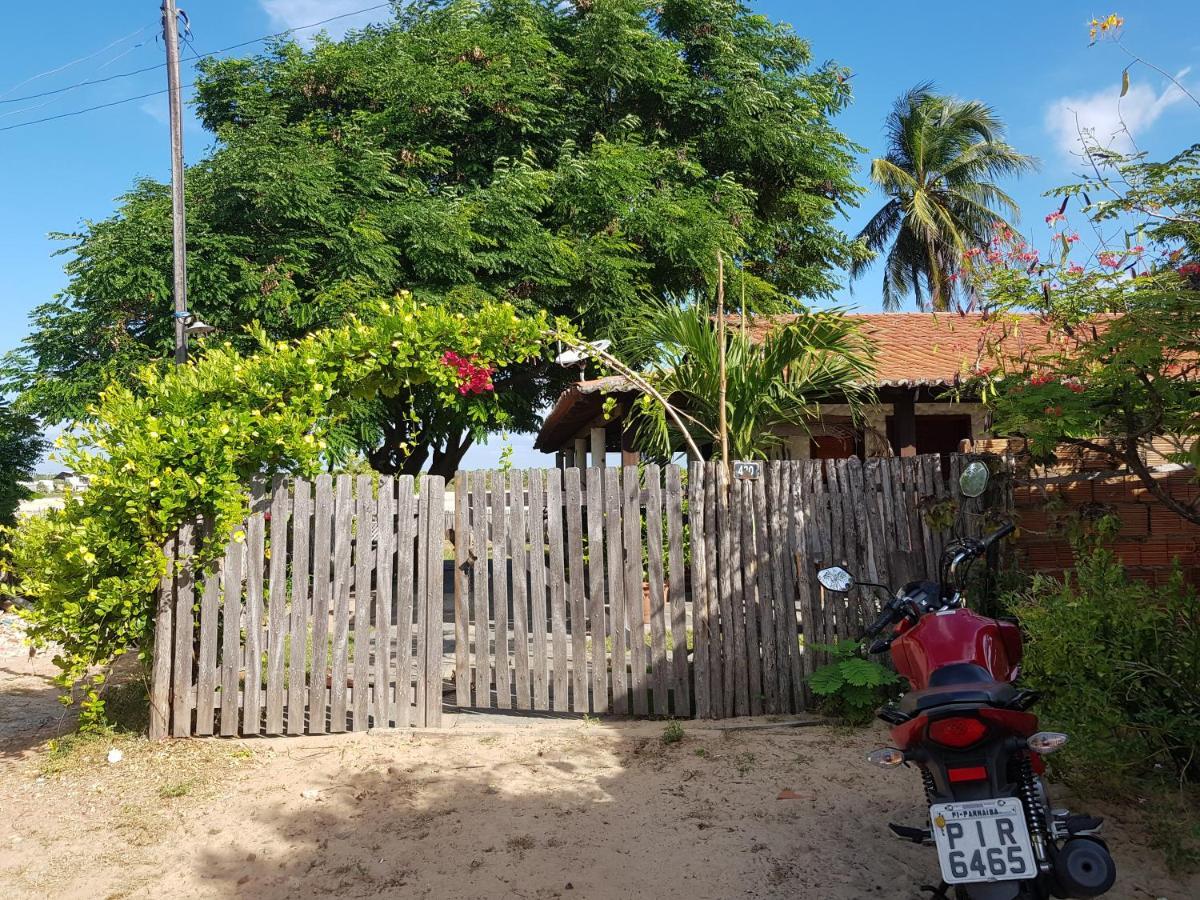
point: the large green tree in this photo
(943, 157)
(578, 158)
(20, 447)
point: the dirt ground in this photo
(485, 808)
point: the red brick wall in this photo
(1150, 537)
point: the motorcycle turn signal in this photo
(1046, 742)
(886, 757)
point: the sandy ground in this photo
(486, 808)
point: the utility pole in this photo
(170, 20)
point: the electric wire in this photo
(200, 56)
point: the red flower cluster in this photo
(1111, 260)
(1189, 270)
(1054, 217)
(472, 377)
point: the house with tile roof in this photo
(923, 361)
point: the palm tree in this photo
(943, 156)
(773, 382)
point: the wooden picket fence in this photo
(635, 591)
(323, 613)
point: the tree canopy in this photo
(20, 446)
(577, 158)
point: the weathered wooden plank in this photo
(631, 521)
(206, 656)
(717, 626)
(252, 688)
(576, 593)
(677, 595)
(855, 600)
(793, 484)
(406, 562)
(420, 599)
(766, 594)
(558, 588)
(817, 537)
(480, 579)
(595, 586)
(364, 570)
(231, 632)
(342, 540)
(434, 602)
(701, 635)
(733, 616)
(499, 518)
(800, 560)
(750, 574)
(462, 589)
(537, 587)
(656, 578)
(185, 624)
(322, 589)
(734, 681)
(385, 555)
(613, 534)
(520, 588)
(298, 616)
(784, 597)
(277, 604)
(164, 646)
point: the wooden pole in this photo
(722, 421)
(170, 21)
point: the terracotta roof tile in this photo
(935, 348)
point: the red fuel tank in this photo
(957, 636)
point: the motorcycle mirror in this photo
(974, 479)
(835, 578)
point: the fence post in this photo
(164, 639)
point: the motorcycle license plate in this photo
(982, 840)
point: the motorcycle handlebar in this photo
(885, 619)
(999, 534)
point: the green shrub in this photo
(185, 441)
(851, 688)
(673, 733)
(1119, 664)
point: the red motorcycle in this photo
(968, 729)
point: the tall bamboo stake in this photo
(722, 420)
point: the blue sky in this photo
(1029, 60)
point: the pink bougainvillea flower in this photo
(1110, 260)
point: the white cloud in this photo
(1107, 117)
(298, 13)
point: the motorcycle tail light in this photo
(1046, 742)
(957, 731)
(967, 773)
(886, 757)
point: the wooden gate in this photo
(322, 613)
(639, 591)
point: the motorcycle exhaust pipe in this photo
(1083, 868)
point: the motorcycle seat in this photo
(958, 683)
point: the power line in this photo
(80, 112)
(199, 57)
(68, 65)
